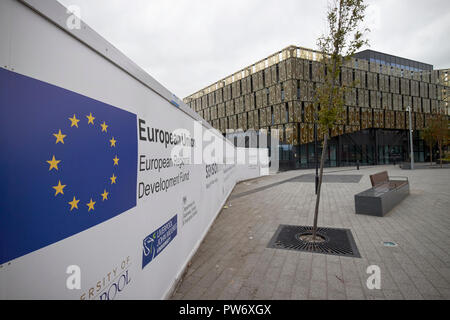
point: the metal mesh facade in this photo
(445, 80)
(278, 92)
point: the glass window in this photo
(278, 73)
(287, 113)
(303, 155)
(333, 162)
(311, 153)
(272, 115)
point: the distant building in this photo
(444, 74)
(277, 93)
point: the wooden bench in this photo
(383, 196)
(381, 180)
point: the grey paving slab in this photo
(393, 294)
(355, 293)
(318, 290)
(330, 178)
(233, 261)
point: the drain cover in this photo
(335, 241)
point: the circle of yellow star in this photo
(90, 118)
(91, 205)
(113, 179)
(105, 195)
(74, 204)
(116, 161)
(60, 137)
(59, 188)
(104, 126)
(113, 142)
(53, 163)
(74, 121)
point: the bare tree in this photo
(343, 38)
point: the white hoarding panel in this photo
(94, 203)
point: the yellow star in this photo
(113, 179)
(104, 126)
(53, 163)
(113, 142)
(116, 161)
(74, 204)
(74, 121)
(59, 137)
(105, 195)
(59, 188)
(90, 118)
(91, 205)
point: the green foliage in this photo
(427, 135)
(343, 39)
(440, 129)
(437, 130)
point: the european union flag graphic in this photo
(67, 163)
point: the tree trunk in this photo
(325, 140)
(322, 161)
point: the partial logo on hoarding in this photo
(116, 287)
(111, 284)
(211, 171)
(189, 210)
(71, 163)
(158, 240)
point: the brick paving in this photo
(233, 262)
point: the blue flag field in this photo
(67, 163)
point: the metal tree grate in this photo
(337, 241)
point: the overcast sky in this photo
(188, 44)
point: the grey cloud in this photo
(189, 44)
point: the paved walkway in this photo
(234, 263)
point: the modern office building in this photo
(445, 80)
(278, 92)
